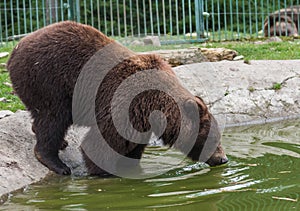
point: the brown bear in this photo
(283, 22)
(44, 69)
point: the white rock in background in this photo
(7, 84)
(237, 58)
(3, 100)
(137, 43)
(5, 113)
(152, 40)
(218, 54)
(274, 39)
(4, 54)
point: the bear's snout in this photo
(218, 158)
(217, 161)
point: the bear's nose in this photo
(224, 160)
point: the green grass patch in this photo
(8, 47)
(8, 101)
(263, 51)
(276, 86)
(250, 49)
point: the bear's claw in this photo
(62, 170)
(52, 161)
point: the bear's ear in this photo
(199, 98)
(190, 107)
(200, 102)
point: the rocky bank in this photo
(243, 93)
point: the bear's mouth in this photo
(216, 161)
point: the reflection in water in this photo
(263, 174)
(255, 141)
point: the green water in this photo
(263, 174)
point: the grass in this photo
(9, 100)
(268, 51)
(288, 49)
(250, 49)
(6, 48)
(276, 86)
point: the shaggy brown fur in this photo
(44, 68)
(283, 22)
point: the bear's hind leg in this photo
(50, 131)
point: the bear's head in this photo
(190, 127)
(205, 137)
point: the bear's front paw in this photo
(61, 169)
(52, 161)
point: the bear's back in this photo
(48, 61)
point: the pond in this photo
(263, 174)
